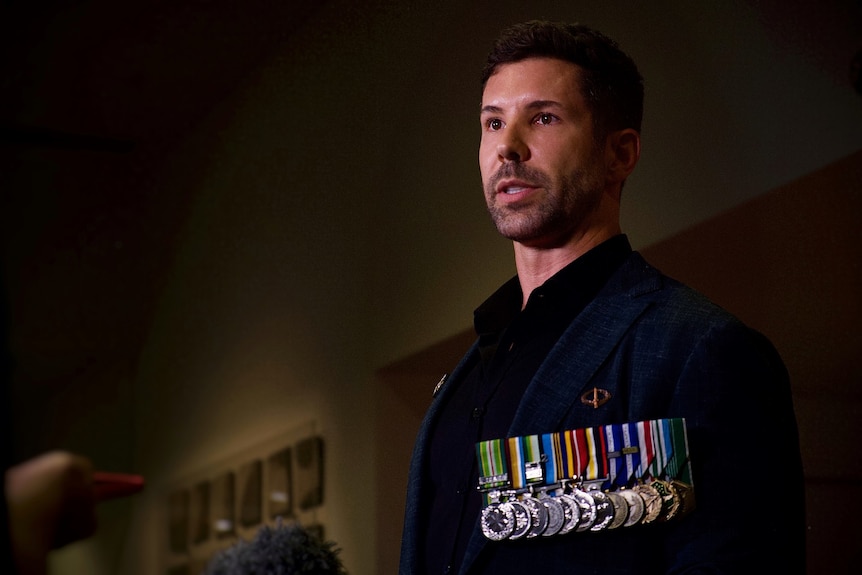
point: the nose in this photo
(513, 148)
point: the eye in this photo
(494, 124)
(545, 119)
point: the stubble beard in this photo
(548, 221)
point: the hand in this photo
(51, 503)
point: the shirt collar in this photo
(565, 290)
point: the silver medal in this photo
(556, 515)
(572, 512)
(522, 519)
(636, 506)
(538, 517)
(498, 521)
(588, 509)
(604, 510)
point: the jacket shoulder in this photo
(667, 296)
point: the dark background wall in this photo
(219, 220)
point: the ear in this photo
(622, 151)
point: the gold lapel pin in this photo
(596, 397)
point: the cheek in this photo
(484, 150)
(487, 163)
(559, 164)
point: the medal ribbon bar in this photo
(493, 464)
(553, 468)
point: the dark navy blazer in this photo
(661, 350)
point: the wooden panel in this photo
(788, 263)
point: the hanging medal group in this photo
(591, 479)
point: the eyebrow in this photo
(534, 105)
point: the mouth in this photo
(513, 187)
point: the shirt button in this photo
(478, 412)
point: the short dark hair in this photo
(286, 549)
(612, 85)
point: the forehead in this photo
(534, 79)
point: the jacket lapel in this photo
(567, 372)
(587, 343)
(416, 486)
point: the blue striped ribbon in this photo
(553, 457)
(616, 459)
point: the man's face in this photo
(542, 171)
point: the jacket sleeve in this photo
(735, 394)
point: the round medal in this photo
(498, 521)
(571, 511)
(686, 497)
(588, 509)
(522, 519)
(621, 510)
(556, 515)
(538, 517)
(652, 502)
(604, 510)
(637, 509)
(670, 500)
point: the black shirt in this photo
(513, 343)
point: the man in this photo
(589, 335)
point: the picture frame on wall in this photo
(178, 521)
(280, 484)
(199, 511)
(250, 493)
(309, 473)
(230, 500)
(223, 502)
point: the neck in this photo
(535, 265)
